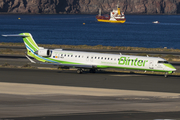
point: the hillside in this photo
(89, 6)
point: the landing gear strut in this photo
(79, 71)
(166, 75)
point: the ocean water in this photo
(137, 31)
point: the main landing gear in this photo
(80, 70)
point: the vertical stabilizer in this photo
(29, 42)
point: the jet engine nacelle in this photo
(44, 52)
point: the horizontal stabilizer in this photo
(15, 35)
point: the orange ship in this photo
(115, 16)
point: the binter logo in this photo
(132, 62)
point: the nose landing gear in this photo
(166, 74)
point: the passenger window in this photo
(101, 57)
(61, 54)
(79, 56)
(65, 55)
(75, 55)
(98, 57)
(87, 56)
(68, 55)
(71, 55)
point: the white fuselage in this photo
(111, 60)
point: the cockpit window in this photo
(162, 61)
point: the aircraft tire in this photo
(79, 71)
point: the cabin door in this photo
(151, 64)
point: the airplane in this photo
(92, 60)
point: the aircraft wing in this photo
(70, 65)
(64, 65)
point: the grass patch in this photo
(12, 51)
(167, 57)
(27, 66)
(11, 44)
(95, 47)
(6, 64)
(142, 54)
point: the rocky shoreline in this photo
(88, 6)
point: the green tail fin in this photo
(29, 42)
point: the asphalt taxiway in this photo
(64, 94)
(101, 79)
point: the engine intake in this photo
(44, 52)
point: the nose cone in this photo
(170, 67)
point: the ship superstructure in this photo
(116, 16)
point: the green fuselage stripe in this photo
(63, 62)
